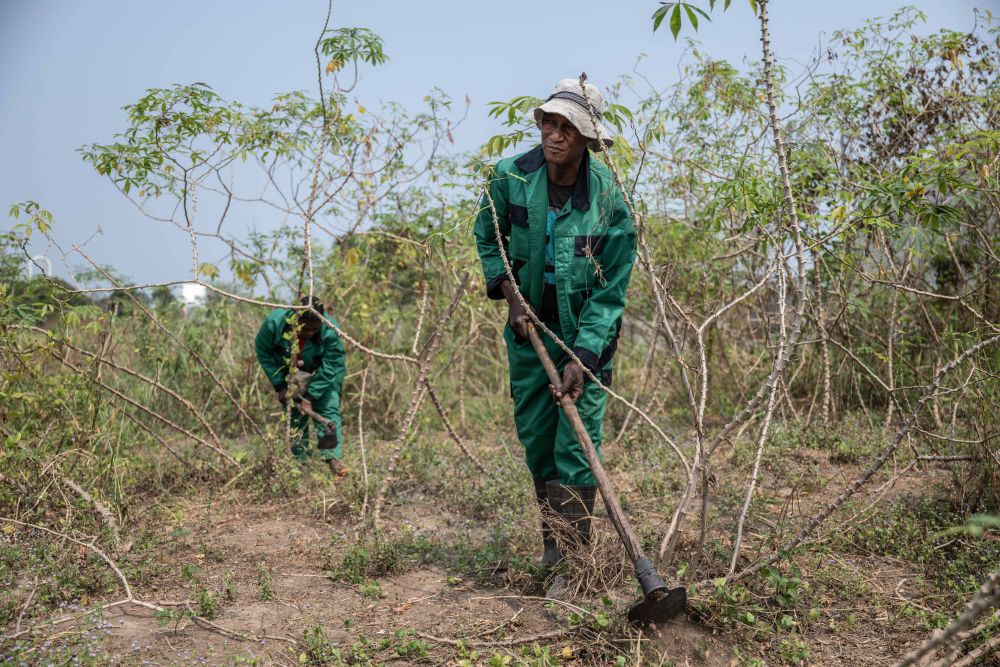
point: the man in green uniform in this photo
(567, 233)
(302, 348)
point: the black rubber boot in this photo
(575, 504)
(550, 550)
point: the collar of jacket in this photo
(535, 158)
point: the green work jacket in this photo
(322, 355)
(594, 248)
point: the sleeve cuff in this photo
(588, 359)
(493, 290)
(281, 386)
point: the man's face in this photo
(562, 143)
(309, 329)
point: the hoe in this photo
(658, 602)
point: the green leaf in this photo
(700, 11)
(675, 21)
(692, 17)
(659, 14)
(208, 270)
(753, 6)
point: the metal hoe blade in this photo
(658, 603)
(659, 606)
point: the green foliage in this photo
(37, 219)
(350, 45)
(674, 10)
(794, 651)
(370, 589)
(82, 648)
(404, 644)
(918, 532)
(208, 603)
(692, 11)
(319, 649)
(265, 583)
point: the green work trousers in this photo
(328, 407)
(550, 446)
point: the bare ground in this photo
(266, 564)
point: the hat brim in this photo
(598, 135)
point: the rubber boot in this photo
(575, 504)
(550, 549)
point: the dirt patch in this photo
(263, 563)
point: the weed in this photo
(265, 583)
(911, 531)
(370, 589)
(381, 555)
(189, 572)
(318, 648)
(790, 590)
(229, 586)
(81, 649)
(794, 651)
(405, 643)
(173, 616)
(207, 603)
(538, 656)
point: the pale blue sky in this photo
(67, 67)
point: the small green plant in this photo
(794, 651)
(733, 599)
(229, 586)
(370, 589)
(383, 554)
(788, 590)
(208, 604)
(499, 660)
(318, 648)
(168, 616)
(405, 643)
(265, 583)
(537, 656)
(416, 648)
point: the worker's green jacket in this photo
(322, 355)
(594, 248)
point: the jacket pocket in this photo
(519, 236)
(518, 216)
(589, 246)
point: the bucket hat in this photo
(570, 101)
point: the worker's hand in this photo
(305, 406)
(518, 319)
(283, 397)
(572, 382)
(517, 314)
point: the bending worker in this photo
(568, 235)
(301, 348)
